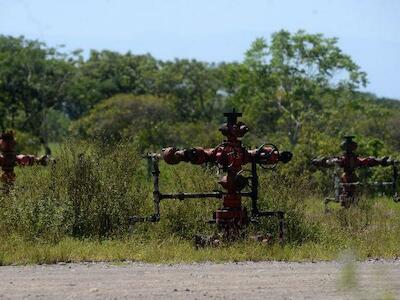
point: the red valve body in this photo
(230, 156)
(349, 162)
(9, 159)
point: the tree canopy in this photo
(292, 88)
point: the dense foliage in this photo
(293, 89)
(298, 91)
(78, 210)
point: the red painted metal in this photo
(229, 156)
(349, 161)
(9, 159)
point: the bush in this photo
(87, 193)
(93, 189)
(121, 116)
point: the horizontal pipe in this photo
(182, 196)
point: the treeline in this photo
(297, 90)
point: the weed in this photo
(78, 210)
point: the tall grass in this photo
(78, 209)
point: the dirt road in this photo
(262, 280)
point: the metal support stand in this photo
(381, 184)
(255, 213)
(253, 194)
(396, 196)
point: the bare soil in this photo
(246, 280)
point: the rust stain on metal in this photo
(230, 156)
(9, 159)
(350, 161)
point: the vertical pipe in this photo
(254, 189)
(156, 189)
(281, 216)
(336, 184)
(394, 182)
(9, 159)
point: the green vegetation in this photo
(78, 210)
(100, 114)
(293, 89)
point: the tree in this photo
(107, 73)
(33, 79)
(123, 115)
(192, 87)
(287, 78)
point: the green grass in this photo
(377, 239)
(176, 250)
(78, 210)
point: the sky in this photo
(214, 30)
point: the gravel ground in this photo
(261, 280)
